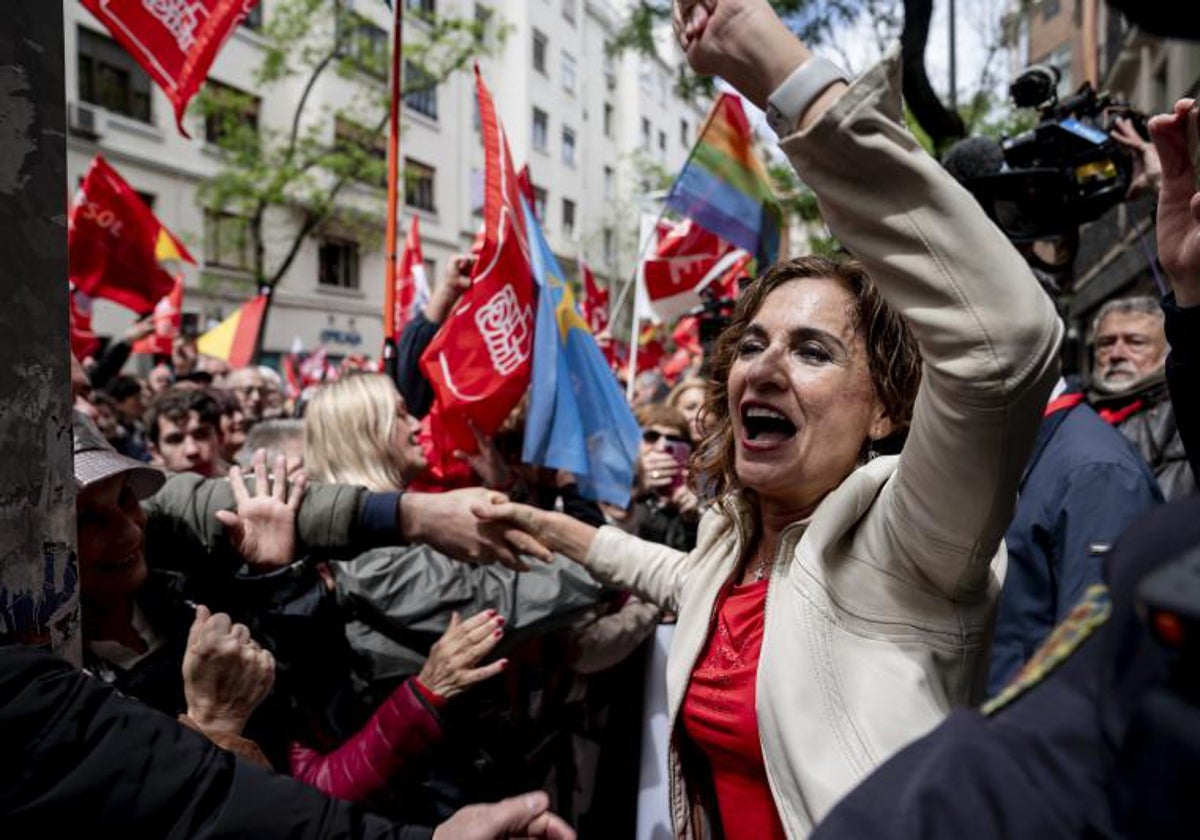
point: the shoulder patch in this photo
(1091, 612)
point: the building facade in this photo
(598, 132)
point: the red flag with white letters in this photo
(479, 361)
(686, 260)
(116, 245)
(175, 41)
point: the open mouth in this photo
(766, 425)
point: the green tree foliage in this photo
(302, 168)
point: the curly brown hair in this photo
(893, 360)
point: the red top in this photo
(719, 715)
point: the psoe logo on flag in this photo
(506, 330)
(180, 17)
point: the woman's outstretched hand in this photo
(450, 668)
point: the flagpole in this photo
(393, 178)
(712, 113)
(633, 353)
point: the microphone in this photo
(973, 157)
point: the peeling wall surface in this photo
(39, 598)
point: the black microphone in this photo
(973, 158)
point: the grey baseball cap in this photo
(96, 460)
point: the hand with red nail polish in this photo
(450, 669)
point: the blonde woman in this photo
(357, 430)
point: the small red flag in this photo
(291, 376)
(412, 286)
(175, 41)
(167, 319)
(595, 301)
(479, 361)
(83, 338)
(115, 243)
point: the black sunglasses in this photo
(653, 436)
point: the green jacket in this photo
(183, 534)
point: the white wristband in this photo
(798, 91)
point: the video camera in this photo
(1066, 171)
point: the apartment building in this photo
(598, 132)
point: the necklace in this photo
(761, 568)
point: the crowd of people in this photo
(899, 551)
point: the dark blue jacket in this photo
(1083, 487)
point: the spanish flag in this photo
(233, 340)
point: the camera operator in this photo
(1081, 746)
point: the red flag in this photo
(479, 361)
(291, 376)
(687, 335)
(650, 348)
(115, 243)
(83, 338)
(167, 319)
(412, 286)
(315, 368)
(686, 260)
(595, 301)
(175, 41)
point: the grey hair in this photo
(269, 435)
(1139, 305)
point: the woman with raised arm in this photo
(837, 604)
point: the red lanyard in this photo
(1063, 403)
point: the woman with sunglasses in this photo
(664, 510)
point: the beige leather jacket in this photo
(879, 612)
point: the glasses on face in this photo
(653, 436)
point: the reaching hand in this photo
(454, 283)
(1147, 168)
(656, 471)
(487, 462)
(139, 329)
(520, 816)
(446, 522)
(450, 668)
(225, 673)
(1178, 203)
(263, 528)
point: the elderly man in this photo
(251, 389)
(1129, 388)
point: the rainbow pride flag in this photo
(724, 188)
